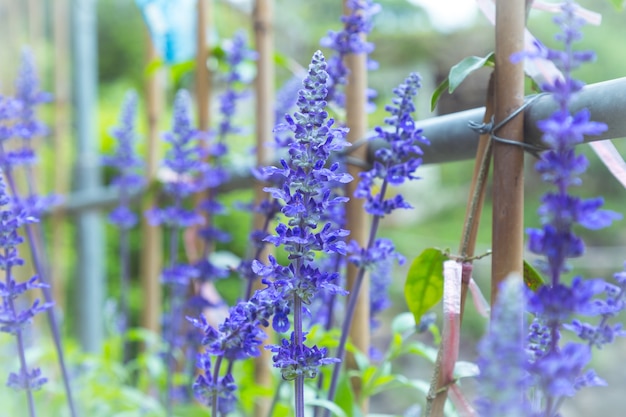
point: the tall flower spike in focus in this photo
(557, 371)
(306, 196)
(12, 320)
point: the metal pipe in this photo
(451, 138)
(90, 232)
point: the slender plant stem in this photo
(257, 255)
(171, 328)
(298, 341)
(24, 369)
(437, 393)
(124, 280)
(216, 375)
(124, 287)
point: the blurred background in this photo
(428, 36)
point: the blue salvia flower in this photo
(30, 96)
(221, 388)
(237, 53)
(398, 162)
(604, 333)
(28, 127)
(394, 165)
(12, 319)
(23, 124)
(558, 371)
(9, 108)
(238, 337)
(189, 174)
(380, 281)
(349, 41)
(128, 180)
(306, 195)
(185, 163)
(502, 356)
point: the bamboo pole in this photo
(356, 218)
(264, 37)
(14, 21)
(60, 141)
(202, 72)
(508, 169)
(203, 99)
(151, 249)
(36, 26)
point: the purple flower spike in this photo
(184, 162)
(298, 360)
(12, 320)
(30, 96)
(502, 353)
(127, 163)
(398, 162)
(559, 371)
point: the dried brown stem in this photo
(438, 392)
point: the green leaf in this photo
(421, 349)
(281, 60)
(532, 278)
(424, 282)
(153, 66)
(445, 84)
(179, 70)
(458, 73)
(344, 399)
(618, 4)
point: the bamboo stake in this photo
(14, 21)
(438, 392)
(35, 23)
(356, 218)
(203, 96)
(151, 253)
(60, 142)
(202, 72)
(264, 35)
(508, 169)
